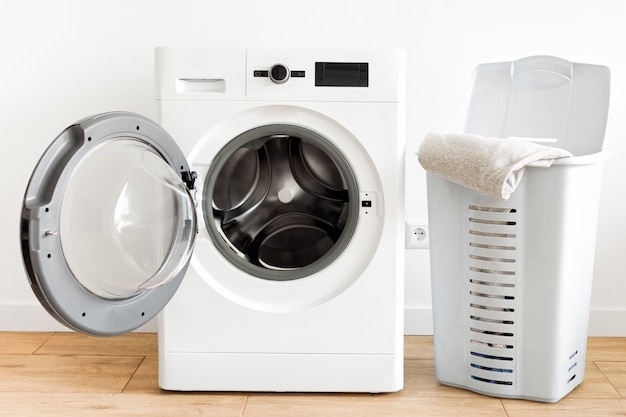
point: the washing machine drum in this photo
(280, 202)
(109, 220)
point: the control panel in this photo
(307, 75)
(326, 74)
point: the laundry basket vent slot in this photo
(491, 259)
(492, 234)
(493, 284)
(497, 358)
(493, 209)
(491, 308)
(486, 246)
(495, 296)
(491, 271)
(491, 332)
(491, 345)
(498, 222)
(491, 381)
(490, 369)
(487, 320)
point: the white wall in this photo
(62, 60)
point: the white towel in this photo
(492, 166)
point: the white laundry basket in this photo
(511, 280)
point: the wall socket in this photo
(416, 234)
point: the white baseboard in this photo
(27, 318)
(417, 321)
(609, 323)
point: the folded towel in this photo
(492, 166)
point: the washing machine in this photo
(262, 217)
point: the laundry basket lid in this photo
(541, 97)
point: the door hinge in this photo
(189, 178)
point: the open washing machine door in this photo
(108, 223)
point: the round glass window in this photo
(127, 221)
(280, 202)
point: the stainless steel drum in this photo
(280, 202)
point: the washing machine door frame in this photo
(49, 273)
(337, 270)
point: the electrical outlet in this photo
(416, 234)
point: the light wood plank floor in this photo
(68, 374)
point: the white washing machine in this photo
(273, 185)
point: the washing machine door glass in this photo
(281, 202)
(108, 224)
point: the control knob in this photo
(279, 74)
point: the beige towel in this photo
(492, 166)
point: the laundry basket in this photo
(511, 280)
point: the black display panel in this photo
(341, 74)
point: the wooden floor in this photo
(67, 374)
